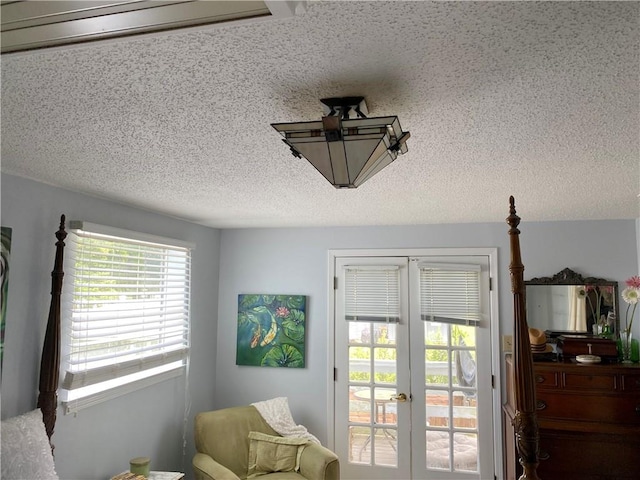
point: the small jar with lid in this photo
(140, 466)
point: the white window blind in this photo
(450, 293)
(126, 308)
(372, 293)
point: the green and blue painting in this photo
(271, 330)
(4, 278)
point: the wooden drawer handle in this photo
(544, 455)
(540, 379)
(541, 405)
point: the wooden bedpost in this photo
(50, 361)
(525, 421)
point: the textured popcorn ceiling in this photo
(539, 100)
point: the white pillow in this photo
(26, 452)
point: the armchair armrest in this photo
(206, 468)
(319, 463)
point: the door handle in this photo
(401, 397)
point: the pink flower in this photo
(633, 282)
(282, 312)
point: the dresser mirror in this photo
(568, 303)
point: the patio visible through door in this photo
(413, 367)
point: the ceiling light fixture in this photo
(346, 147)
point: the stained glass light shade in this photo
(347, 152)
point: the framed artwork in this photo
(271, 330)
(4, 274)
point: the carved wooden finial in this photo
(61, 234)
(513, 220)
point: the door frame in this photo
(492, 253)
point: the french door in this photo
(413, 367)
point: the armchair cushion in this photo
(26, 452)
(269, 453)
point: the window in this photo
(450, 293)
(125, 312)
(372, 293)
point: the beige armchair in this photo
(222, 445)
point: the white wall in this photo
(638, 240)
(99, 441)
(296, 261)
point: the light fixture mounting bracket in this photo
(345, 107)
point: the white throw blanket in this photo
(277, 414)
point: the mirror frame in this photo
(569, 277)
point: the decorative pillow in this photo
(26, 452)
(268, 453)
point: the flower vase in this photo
(625, 346)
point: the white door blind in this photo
(129, 306)
(372, 293)
(450, 293)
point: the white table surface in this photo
(156, 475)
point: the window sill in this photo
(73, 406)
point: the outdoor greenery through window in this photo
(126, 310)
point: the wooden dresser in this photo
(588, 417)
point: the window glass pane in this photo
(359, 404)
(385, 407)
(435, 333)
(359, 364)
(359, 445)
(385, 333)
(464, 368)
(385, 365)
(437, 408)
(436, 367)
(359, 332)
(462, 335)
(465, 452)
(438, 450)
(385, 444)
(465, 411)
